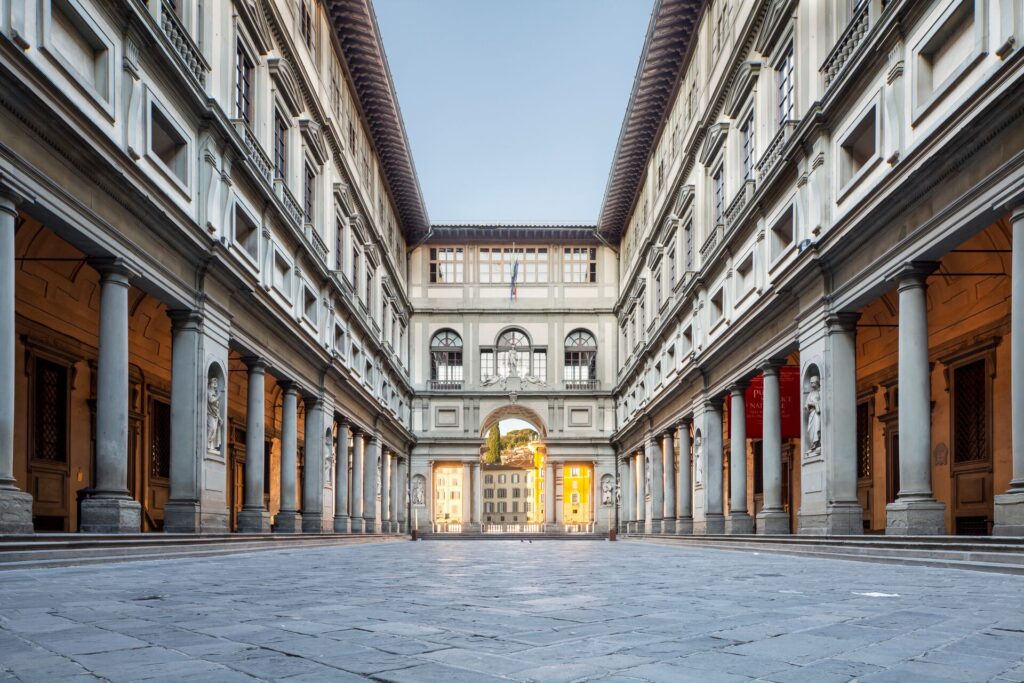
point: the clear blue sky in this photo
(513, 107)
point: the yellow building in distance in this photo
(576, 483)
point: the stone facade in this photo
(223, 307)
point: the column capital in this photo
(185, 319)
(668, 432)
(914, 273)
(842, 321)
(9, 201)
(770, 366)
(255, 364)
(1017, 213)
(684, 422)
(737, 388)
(342, 422)
(113, 269)
(356, 430)
(288, 386)
(714, 402)
(312, 400)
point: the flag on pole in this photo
(513, 294)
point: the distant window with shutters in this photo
(280, 145)
(446, 265)
(784, 86)
(580, 265)
(243, 84)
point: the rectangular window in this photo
(50, 411)
(688, 244)
(970, 413)
(748, 147)
(496, 264)
(309, 193)
(446, 265)
(306, 24)
(160, 439)
(784, 86)
(579, 265)
(657, 292)
(168, 145)
(718, 198)
(863, 440)
(486, 364)
(540, 364)
(243, 84)
(280, 145)
(672, 264)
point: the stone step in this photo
(512, 537)
(54, 554)
(978, 559)
(968, 543)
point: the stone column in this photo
(467, 496)
(668, 460)
(15, 505)
(629, 492)
(684, 510)
(843, 512)
(397, 496)
(915, 511)
(288, 519)
(385, 490)
(188, 441)
(477, 493)
(641, 493)
(370, 459)
(313, 473)
(1009, 506)
(739, 522)
(712, 435)
(772, 519)
(653, 482)
(341, 483)
(112, 510)
(549, 493)
(254, 517)
(358, 456)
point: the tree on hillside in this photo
(518, 437)
(493, 455)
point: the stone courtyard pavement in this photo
(456, 611)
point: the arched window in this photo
(446, 361)
(513, 349)
(580, 360)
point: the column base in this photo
(15, 512)
(714, 524)
(342, 524)
(111, 516)
(1009, 514)
(314, 523)
(369, 525)
(288, 522)
(182, 517)
(253, 521)
(668, 526)
(772, 522)
(915, 518)
(684, 526)
(215, 522)
(355, 525)
(739, 523)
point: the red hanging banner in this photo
(789, 395)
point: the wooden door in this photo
(48, 466)
(971, 470)
(236, 474)
(158, 472)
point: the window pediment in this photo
(255, 22)
(778, 15)
(713, 142)
(286, 83)
(684, 197)
(343, 195)
(743, 83)
(313, 137)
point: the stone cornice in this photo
(657, 79)
(355, 27)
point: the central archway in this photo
(514, 411)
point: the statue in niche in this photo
(618, 494)
(418, 492)
(328, 458)
(698, 453)
(606, 490)
(813, 406)
(380, 464)
(214, 421)
(513, 361)
(647, 476)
